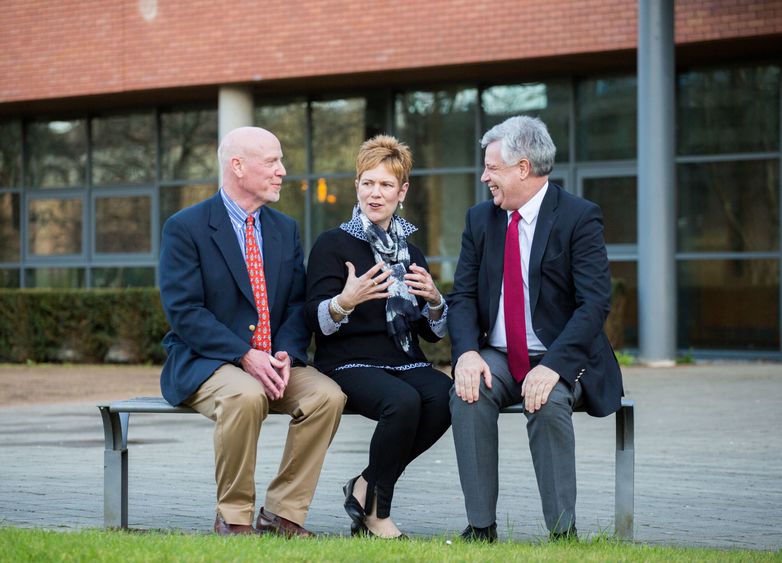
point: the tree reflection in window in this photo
(55, 227)
(10, 154)
(122, 224)
(123, 149)
(189, 145)
(57, 153)
(439, 126)
(9, 227)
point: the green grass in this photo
(19, 545)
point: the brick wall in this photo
(56, 49)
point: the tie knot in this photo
(515, 216)
(250, 221)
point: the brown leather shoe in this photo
(270, 523)
(223, 528)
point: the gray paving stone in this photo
(708, 466)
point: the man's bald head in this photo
(251, 164)
(241, 140)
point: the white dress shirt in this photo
(529, 218)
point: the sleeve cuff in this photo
(327, 324)
(440, 326)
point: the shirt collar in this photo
(235, 212)
(529, 211)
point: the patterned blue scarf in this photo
(391, 247)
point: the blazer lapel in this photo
(225, 239)
(546, 218)
(271, 253)
(495, 239)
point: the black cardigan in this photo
(364, 338)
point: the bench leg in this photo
(625, 473)
(115, 469)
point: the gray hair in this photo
(524, 137)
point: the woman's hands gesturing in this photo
(421, 283)
(366, 287)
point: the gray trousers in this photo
(551, 443)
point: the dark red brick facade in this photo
(72, 48)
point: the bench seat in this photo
(116, 420)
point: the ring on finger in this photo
(374, 281)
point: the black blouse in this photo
(364, 338)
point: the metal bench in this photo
(116, 418)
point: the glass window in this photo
(437, 205)
(606, 117)
(724, 110)
(439, 126)
(123, 149)
(9, 278)
(338, 129)
(55, 277)
(288, 121)
(188, 145)
(618, 198)
(57, 153)
(548, 101)
(55, 227)
(10, 154)
(729, 304)
(123, 277)
(9, 227)
(624, 304)
(729, 206)
(123, 224)
(292, 201)
(332, 203)
(174, 198)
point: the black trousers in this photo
(412, 412)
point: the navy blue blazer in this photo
(206, 294)
(569, 285)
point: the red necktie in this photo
(262, 337)
(513, 302)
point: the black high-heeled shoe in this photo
(353, 507)
(362, 530)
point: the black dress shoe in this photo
(569, 535)
(352, 506)
(487, 534)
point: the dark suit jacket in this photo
(208, 300)
(569, 285)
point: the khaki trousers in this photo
(237, 404)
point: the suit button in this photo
(252, 327)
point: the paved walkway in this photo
(708, 466)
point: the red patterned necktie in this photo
(513, 302)
(262, 337)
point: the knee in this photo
(325, 397)
(456, 404)
(460, 406)
(553, 409)
(333, 398)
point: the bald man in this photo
(232, 284)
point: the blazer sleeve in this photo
(592, 284)
(182, 295)
(294, 336)
(463, 317)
